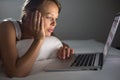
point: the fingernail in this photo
(63, 57)
(68, 55)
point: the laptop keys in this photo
(87, 60)
(101, 60)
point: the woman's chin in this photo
(48, 35)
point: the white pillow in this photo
(48, 49)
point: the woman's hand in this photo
(65, 52)
(34, 25)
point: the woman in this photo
(38, 21)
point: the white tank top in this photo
(17, 27)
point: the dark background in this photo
(79, 19)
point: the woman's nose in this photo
(53, 23)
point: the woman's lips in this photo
(50, 30)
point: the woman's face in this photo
(50, 13)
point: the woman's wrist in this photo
(37, 40)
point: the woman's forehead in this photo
(49, 7)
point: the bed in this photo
(110, 71)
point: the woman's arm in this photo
(13, 65)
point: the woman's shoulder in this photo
(6, 25)
(7, 33)
(11, 26)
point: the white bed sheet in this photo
(110, 69)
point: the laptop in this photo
(87, 61)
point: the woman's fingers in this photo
(65, 53)
(42, 27)
(37, 25)
(59, 55)
(31, 23)
(68, 52)
(35, 20)
(72, 51)
(38, 21)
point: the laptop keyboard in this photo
(88, 60)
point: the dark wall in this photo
(87, 19)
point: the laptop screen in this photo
(111, 34)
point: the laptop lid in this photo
(111, 34)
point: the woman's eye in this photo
(49, 18)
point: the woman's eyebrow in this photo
(48, 13)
